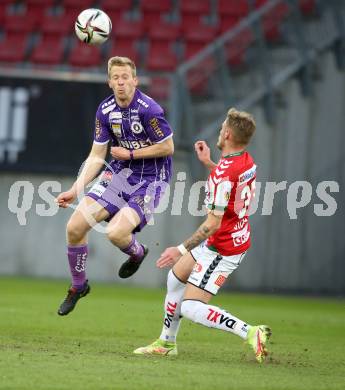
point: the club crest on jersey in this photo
(197, 267)
(136, 127)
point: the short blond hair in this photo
(242, 125)
(121, 61)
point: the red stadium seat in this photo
(58, 25)
(85, 56)
(6, 3)
(2, 15)
(77, 3)
(130, 29)
(49, 51)
(38, 8)
(74, 7)
(156, 5)
(272, 21)
(227, 22)
(192, 48)
(237, 8)
(13, 48)
(152, 11)
(201, 33)
(163, 31)
(196, 38)
(259, 3)
(21, 23)
(39, 3)
(235, 50)
(159, 88)
(118, 6)
(123, 49)
(195, 6)
(161, 60)
(197, 79)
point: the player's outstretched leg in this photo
(158, 347)
(131, 266)
(258, 337)
(73, 296)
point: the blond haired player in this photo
(130, 187)
(202, 263)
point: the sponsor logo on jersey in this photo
(240, 237)
(136, 127)
(116, 129)
(197, 267)
(155, 127)
(170, 312)
(247, 175)
(135, 118)
(220, 280)
(98, 189)
(135, 144)
(241, 223)
(143, 103)
(134, 110)
(115, 115)
(98, 129)
(217, 317)
(119, 121)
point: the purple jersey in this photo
(137, 126)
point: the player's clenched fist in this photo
(66, 198)
(202, 151)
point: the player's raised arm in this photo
(91, 168)
(204, 154)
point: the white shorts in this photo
(211, 269)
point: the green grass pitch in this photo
(92, 347)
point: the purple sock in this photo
(135, 250)
(77, 256)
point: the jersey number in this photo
(246, 195)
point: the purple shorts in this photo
(114, 191)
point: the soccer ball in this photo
(93, 26)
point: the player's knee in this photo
(189, 309)
(174, 284)
(116, 235)
(74, 232)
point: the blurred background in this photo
(282, 60)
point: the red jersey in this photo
(229, 190)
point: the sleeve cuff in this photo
(164, 139)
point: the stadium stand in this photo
(157, 34)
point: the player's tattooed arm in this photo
(209, 227)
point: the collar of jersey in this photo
(234, 154)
